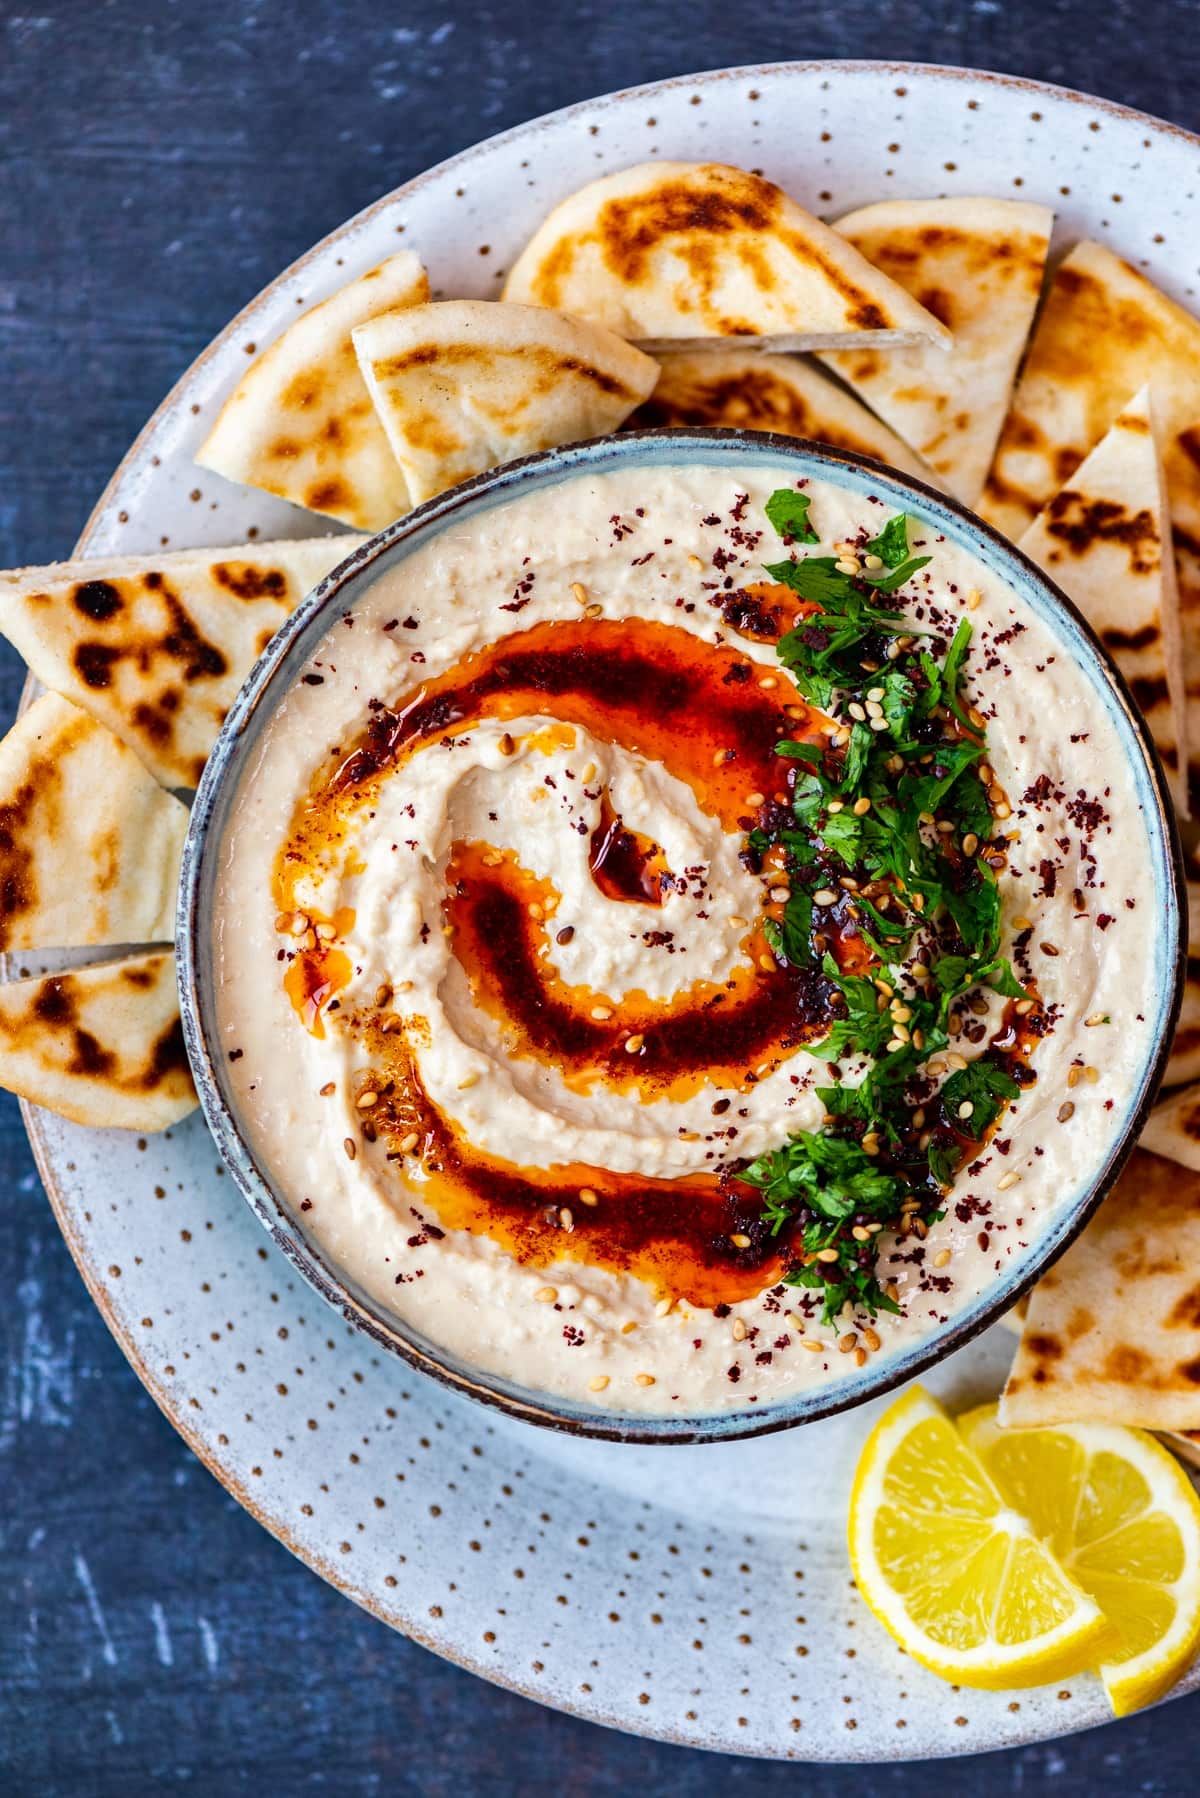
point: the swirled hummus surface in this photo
(500, 985)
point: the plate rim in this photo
(32, 1115)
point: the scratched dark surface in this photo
(159, 162)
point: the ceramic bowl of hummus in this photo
(677, 933)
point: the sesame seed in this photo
(738, 922)
(350, 1147)
(644, 1379)
(633, 1045)
(469, 1079)
(587, 1196)
(602, 1013)
(1007, 1180)
(739, 1329)
(663, 1307)
(365, 1100)
(392, 1023)
(579, 593)
(410, 1142)
(546, 1295)
(1097, 1017)
(566, 1218)
(973, 598)
(328, 1089)
(628, 1328)
(1066, 1111)
(598, 1382)
(506, 746)
(592, 611)
(827, 1255)
(739, 1240)
(941, 1259)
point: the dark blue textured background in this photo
(160, 160)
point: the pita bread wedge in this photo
(156, 647)
(89, 841)
(752, 390)
(300, 422)
(976, 264)
(101, 1045)
(1184, 1062)
(1173, 1129)
(1113, 1330)
(669, 252)
(464, 385)
(1105, 332)
(1106, 539)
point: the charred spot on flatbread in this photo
(97, 600)
(1077, 523)
(246, 581)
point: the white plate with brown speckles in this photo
(698, 1594)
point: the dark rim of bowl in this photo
(221, 774)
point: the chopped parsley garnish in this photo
(788, 513)
(887, 845)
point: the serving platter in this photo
(700, 1594)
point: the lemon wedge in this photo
(1122, 1517)
(953, 1570)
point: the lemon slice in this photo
(1123, 1518)
(952, 1570)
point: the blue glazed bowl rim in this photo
(272, 676)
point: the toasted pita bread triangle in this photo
(669, 252)
(89, 841)
(751, 390)
(1184, 1062)
(300, 421)
(976, 264)
(1104, 332)
(1113, 1329)
(464, 385)
(101, 1045)
(1173, 1128)
(156, 647)
(1106, 539)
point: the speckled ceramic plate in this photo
(700, 1594)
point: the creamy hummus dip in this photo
(504, 988)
